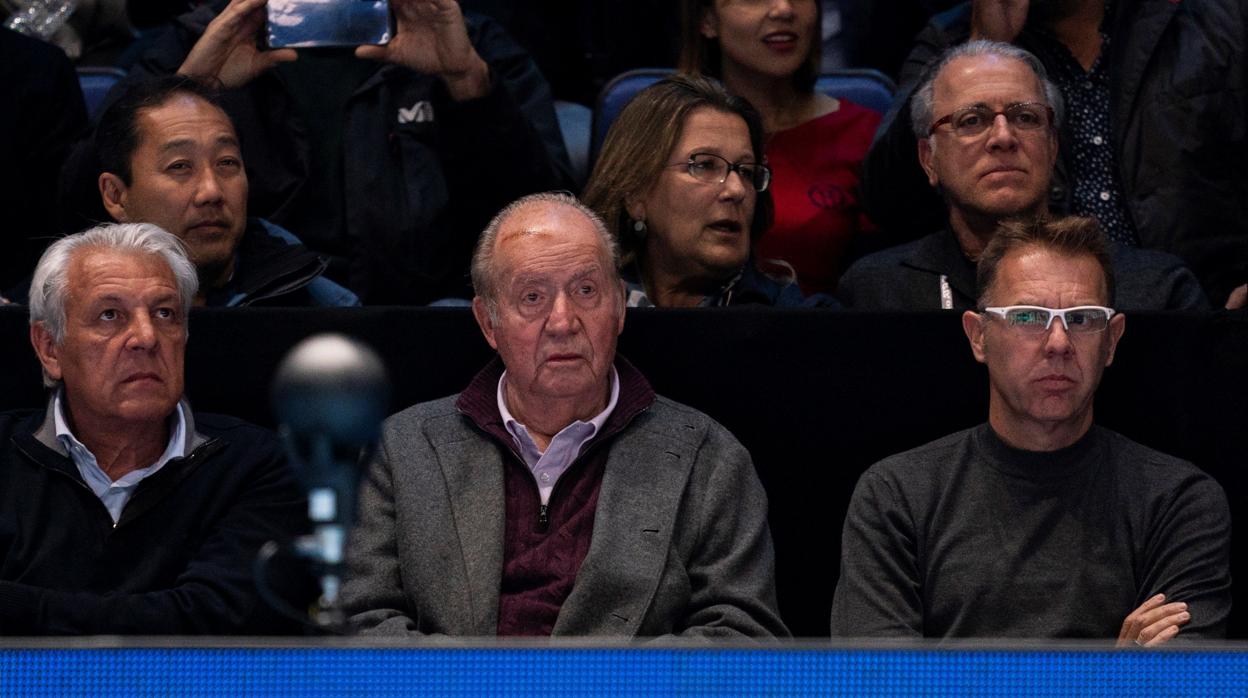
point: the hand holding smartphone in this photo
(309, 23)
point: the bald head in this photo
(551, 214)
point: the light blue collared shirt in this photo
(114, 495)
(563, 449)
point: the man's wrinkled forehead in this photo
(1049, 271)
(90, 266)
(529, 232)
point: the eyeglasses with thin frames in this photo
(713, 169)
(972, 121)
(1036, 320)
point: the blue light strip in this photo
(627, 672)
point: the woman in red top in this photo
(768, 52)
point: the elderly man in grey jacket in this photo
(558, 495)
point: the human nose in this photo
(781, 9)
(1057, 340)
(562, 318)
(735, 187)
(142, 333)
(1001, 134)
(208, 188)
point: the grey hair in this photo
(50, 284)
(921, 116)
(483, 272)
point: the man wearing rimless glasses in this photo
(1037, 524)
(987, 120)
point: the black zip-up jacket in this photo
(422, 174)
(1179, 127)
(179, 560)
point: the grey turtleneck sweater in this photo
(968, 537)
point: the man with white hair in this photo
(558, 495)
(987, 118)
(120, 510)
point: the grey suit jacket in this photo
(680, 539)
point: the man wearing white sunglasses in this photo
(1037, 523)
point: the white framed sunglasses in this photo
(1035, 319)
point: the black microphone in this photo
(330, 394)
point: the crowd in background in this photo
(393, 206)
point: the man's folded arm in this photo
(1187, 557)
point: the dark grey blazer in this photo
(680, 541)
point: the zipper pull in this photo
(543, 517)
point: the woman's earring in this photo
(639, 227)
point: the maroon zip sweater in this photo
(544, 546)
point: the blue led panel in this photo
(630, 671)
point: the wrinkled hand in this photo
(227, 50)
(999, 20)
(431, 38)
(1238, 298)
(1153, 623)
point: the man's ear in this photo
(1117, 325)
(973, 326)
(481, 312)
(708, 26)
(925, 160)
(113, 192)
(46, 349)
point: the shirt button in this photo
(1104, 196)
(1097, 140)
(545, 477)
(1087, 85)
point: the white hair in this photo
(50, 284)
(921, 116)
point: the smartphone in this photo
(305, 23)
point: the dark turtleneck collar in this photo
(1041, 466)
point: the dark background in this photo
(816, 396)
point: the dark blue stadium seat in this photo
(864, 86)
(96, 81)
(574, 124)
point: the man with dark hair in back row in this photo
(1037, 523)
(169, 155)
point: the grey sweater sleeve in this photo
(879, 592)
(1187, 555)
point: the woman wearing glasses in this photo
(681, 183)
(767, 51)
